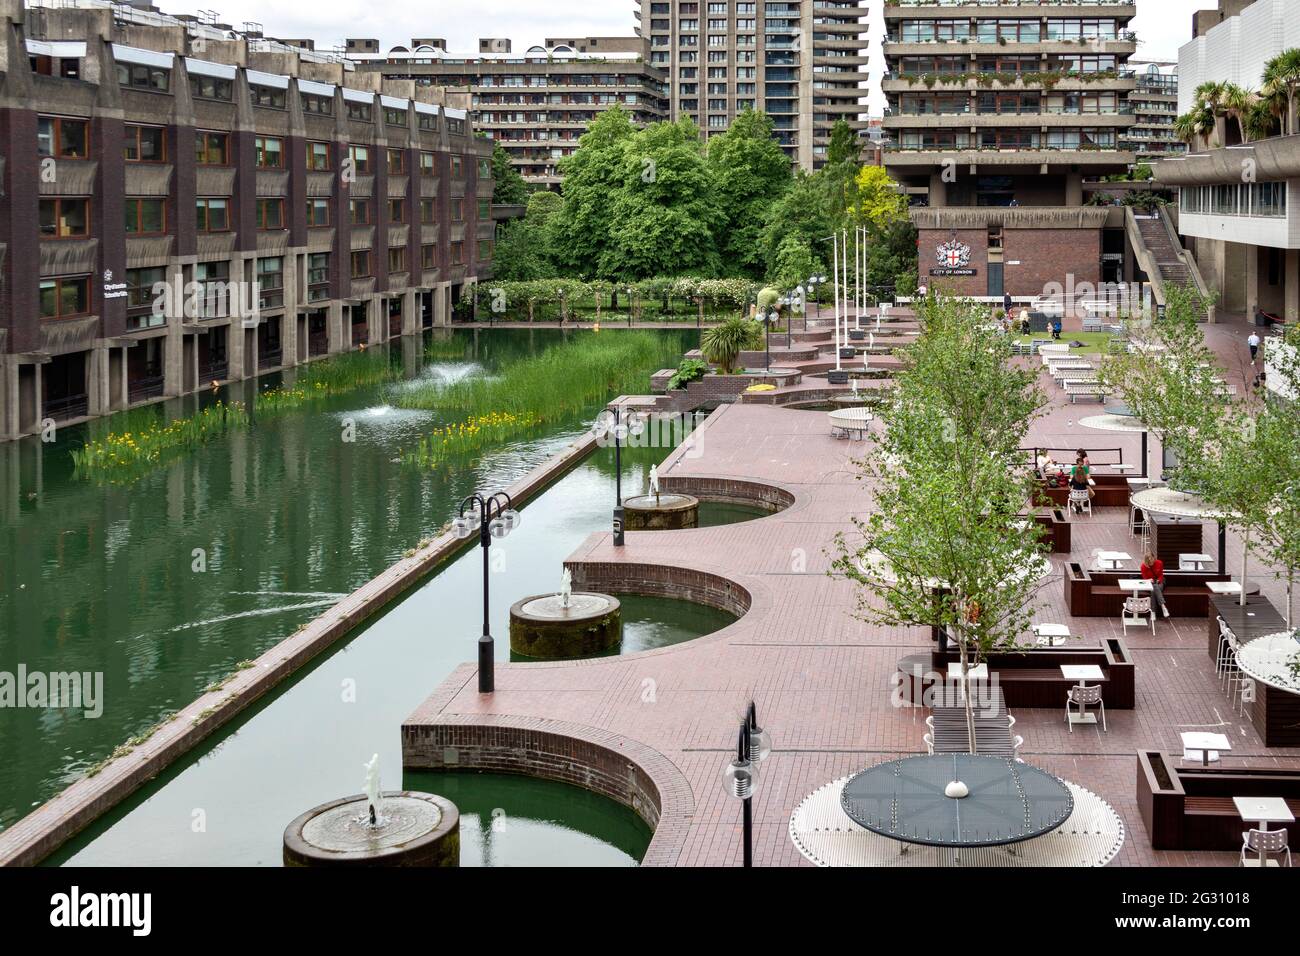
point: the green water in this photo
(290, 518)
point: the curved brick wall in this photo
(657, 580)
(730, 491)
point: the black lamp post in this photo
(610, 421)
(492, 517)
(814, 285)
(740, 778)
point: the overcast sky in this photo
(1162, 25)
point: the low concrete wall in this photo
(657, 580)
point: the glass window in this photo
(360, 158)
(65, 298)
(318, 156)
(318, 212)
(396, 161)
(267, 96)
(270, 214)
(321, 105)
(269, 152)
(361, 263)
(211, 88)
(62, 138)
(211, 149)
(360, 211)
(145, 144)
(64, 218)
(397, 210)
(212, 215)
(140, 77)
(396, 258)
(146, 217)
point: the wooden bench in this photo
(1112, 491)
(1056, 529)
(1189, 807)
(1031, 677)
(1077, 390)
(1091, 593)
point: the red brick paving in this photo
(820, 677)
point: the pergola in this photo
(1172, 503)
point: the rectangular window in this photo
(427, 121)
(457, 166)
(267, 96)
(484, 209)
(429, 256)
(270, 214)
(318, 156)
(361, 264)
(359, 111)
(65, 298)
(140, 296)
(270, 282)
(140, 77)
(458, 210)
(360, 159)
(269, 152)
(211, 88)
(457, 253)
(212, 215)
(144, 144)
(320, 105)
(428, 211)
(484, 168)
(146, 217)
(484, 250)
(360, 211)
(318, 276)
(62, 138)
(397, 210)
(397, 258)
(318, 212)
(211, 149)
(396, 162)
(395, 117)
(426, 163)
(65, 218)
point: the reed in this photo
(468, 437)
(143, 441)
(328, 378)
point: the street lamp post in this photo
(493, 516)
(740, 779)
(610, 421)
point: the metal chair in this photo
(1080, 501)
(1138, 613)
(1224, 655)
(1237, 680)
(1265, 843)
(929, 744)
(1083, 698)
(1015, 748)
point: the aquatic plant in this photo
(139, 444)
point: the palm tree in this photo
(723, 343)
(1282, 81)
(1237, 103)
(1199, 123)
(1264, 117)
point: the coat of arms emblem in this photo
(954, 254)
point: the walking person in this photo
(1006, 304)
(1153, 570)
(1056, 330)
(1253, 343)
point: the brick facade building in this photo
(185, 204)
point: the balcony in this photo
(1051, 80)
(1030, 159)
(955, 9)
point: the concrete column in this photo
(1293, 285)
(1252, 282)
(410, 312)
(376, 319)
(97, 385)
(337, 327)
(235, 351)
(938, 190)
(8, 398)
(1074, 189)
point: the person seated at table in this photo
(1082, 456)
(1153, 570)
(1045, 464)
(1081, 476)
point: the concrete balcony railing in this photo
(1012, 217)
(1271, 160)
(977, 47)
(1097, 160)
(894, 82)
(978, 9)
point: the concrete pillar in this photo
(410, 312)
(1293, 285)
(938, 190)
(336, 322)
(1074, 189)
(97, 385)
(1252, 282)
(8, 398)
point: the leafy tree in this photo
(523, 245)
(593, 177)
(750, 173)
(843, 146)
(795, 263)
(945, 544)
(1282, 82)
(891, 252)
(876, 202)
(508, 187)
(664, 213)
(802, 211)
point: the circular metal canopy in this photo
(1269, 659)
(1113, 423)
(1176, 504)
(1005, 802)
(1123, 411)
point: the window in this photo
(426, 121)
(211, 88)
(484, 250)
(267, 96)
(457, 253)
(360, 156)
(65, 298)
(397, 210)
(458, 165)
(270, 214)
(484, 209)
(269, 152)
(140, 295)
(428, 211)
(396, 162)
(65, 218)
(211, 149)
(395, 117)
(318, 156)
(318, 212)
(318, 276)
(270, 282)
(359, 111)
(429, 256)
(484, 168)
(458, 210)
(145, 144)
(140, 77)
(361, 264)
(360, 211)
(62, 138)
(426, 163)
(214, 294)
(320, 105)
(212, 215)
(146, 217)
(397, 258)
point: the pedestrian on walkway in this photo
(1253, 342)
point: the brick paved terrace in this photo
(820, 677)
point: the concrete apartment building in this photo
(999, 112)
(1154, 103)
(536, 104)
(1239, 205)
(288, 206)
(803, 62)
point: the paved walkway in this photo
(820, 677)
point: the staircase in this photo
(1163, 258)
(1173, 271)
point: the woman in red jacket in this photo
(1153, 570)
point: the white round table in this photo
(1268, 660)
(850, 421)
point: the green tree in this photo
(945, 544)
(802, 211)
(1282, 82)
(593, 176)
(750, 173)
(843, 146)
(795, 263)
(722, 344)
(508, 187)
(664, 214)
(523, 250)
(876, 201)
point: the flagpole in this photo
(835, 253)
